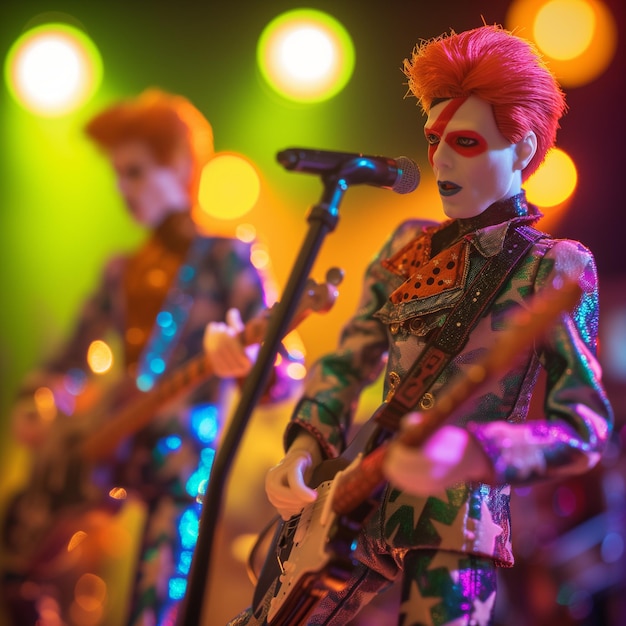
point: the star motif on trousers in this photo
(422, 603)
(482, 611)
(478, 533)
(485, 530)
(448, 560)
(449, 532)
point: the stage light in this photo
(306, 55)
(577, 26)
(554, 182)
(577, 37)
(229, 187)
(53, 69)
(99, 357)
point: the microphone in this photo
(401, 175)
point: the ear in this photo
(525, 150)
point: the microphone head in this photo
(408, 175)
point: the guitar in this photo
(60, 488)
(312, 551)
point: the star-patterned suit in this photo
(446, 546)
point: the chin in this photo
(462, 210)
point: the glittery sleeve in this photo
(228, 279)
(577, 415)
(96, 317)
(335, 381)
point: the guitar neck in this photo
(523, 328)
(138, 412)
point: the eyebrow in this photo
(446, 115)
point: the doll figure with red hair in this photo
(181, 292)
(443, 527)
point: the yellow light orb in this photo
(576, 27)
(229, 186)
(306, 55)
(554, 182)
(53, 69)
(99, 357)
(578, 38)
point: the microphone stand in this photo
(322, 218)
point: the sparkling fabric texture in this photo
(471, 522)
(164, 463)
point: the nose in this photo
(441, 155)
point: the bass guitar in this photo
(311, 553)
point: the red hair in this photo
(498, 67)
(168, 124)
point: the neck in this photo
(176, 230)
(501, 211)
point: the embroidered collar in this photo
(436, 260)
(486, 232)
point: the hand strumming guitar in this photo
(229, 357)
(285, 483)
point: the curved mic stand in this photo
(323, 218)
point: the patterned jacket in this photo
(124, 310)
(406, 295)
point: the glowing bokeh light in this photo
(294, 345)
(53, 69)
(118, 493)
(76, 539)
(245, 232)
(99, 357)
(577, 37)
(554, 182)
(296, 371)
(90, 592)
(577, 25)
(306, 55)
(45, 404)
(229, 186)
(260, 256)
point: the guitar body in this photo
(77, 548)
(310, 555)
(62, 488)
(299, 571)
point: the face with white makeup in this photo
(150, 189)
(474, 165)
